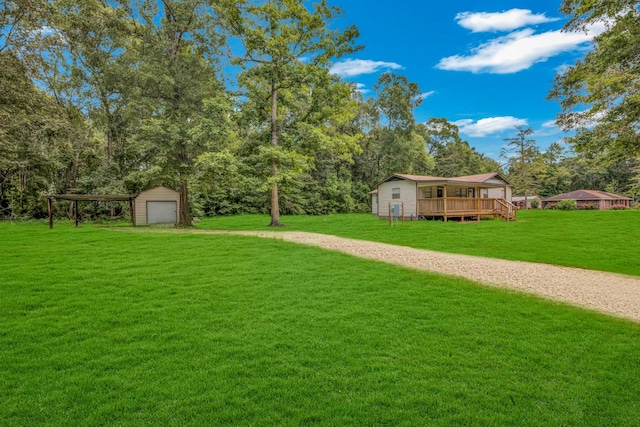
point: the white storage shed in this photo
(158, 205)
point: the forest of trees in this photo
(117, 96)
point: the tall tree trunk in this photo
(109, 146)
(184, 215)
(275, 206)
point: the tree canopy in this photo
(232, 103)
(600, 94)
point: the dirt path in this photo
(610, 293)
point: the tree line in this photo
(229, 101)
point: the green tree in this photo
(285, 44)
(393, 143)
(93, 70)
(177, 90)
(555, 177)
(396, 100)
(599, 94)
(21, 23)
(523, 158)
(34, 141)
(453, 156)
(439, 132)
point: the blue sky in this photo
(486, 66)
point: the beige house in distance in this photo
(430, 197)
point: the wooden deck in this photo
(462, 207)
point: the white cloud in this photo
(360, 87)
(587, 119)
(489, 125)
(425, 95)
(561, 69)
(356, 67)
(548, 128)
(501, 21)
(516, 51)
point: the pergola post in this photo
(132, 212)
(50, 209)
(76, 198)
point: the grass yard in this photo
(99, 327)
(598, 240)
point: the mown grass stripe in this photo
(98, 327)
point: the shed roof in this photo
(159, 188)
(467, 179)
(586, 195)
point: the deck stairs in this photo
(505, 210)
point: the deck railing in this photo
(466, 206)
(458, 204)
(506, 210)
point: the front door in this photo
(471, 193)
(440, 192)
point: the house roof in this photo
(586, 195)
(468, 179)
(373, 191)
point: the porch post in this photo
(444, 191)
(417, 201)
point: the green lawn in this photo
(99, 327)
(606, 240)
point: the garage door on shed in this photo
(162, 212)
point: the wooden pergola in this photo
(91, 198)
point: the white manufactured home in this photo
(418, 197)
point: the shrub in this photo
(535, 204)
(567, 205)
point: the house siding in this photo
(495, 181)
(158, 194)
(407, 196)
(500, 192)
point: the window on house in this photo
(461, 192)
(426, 192)
(395, 193)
